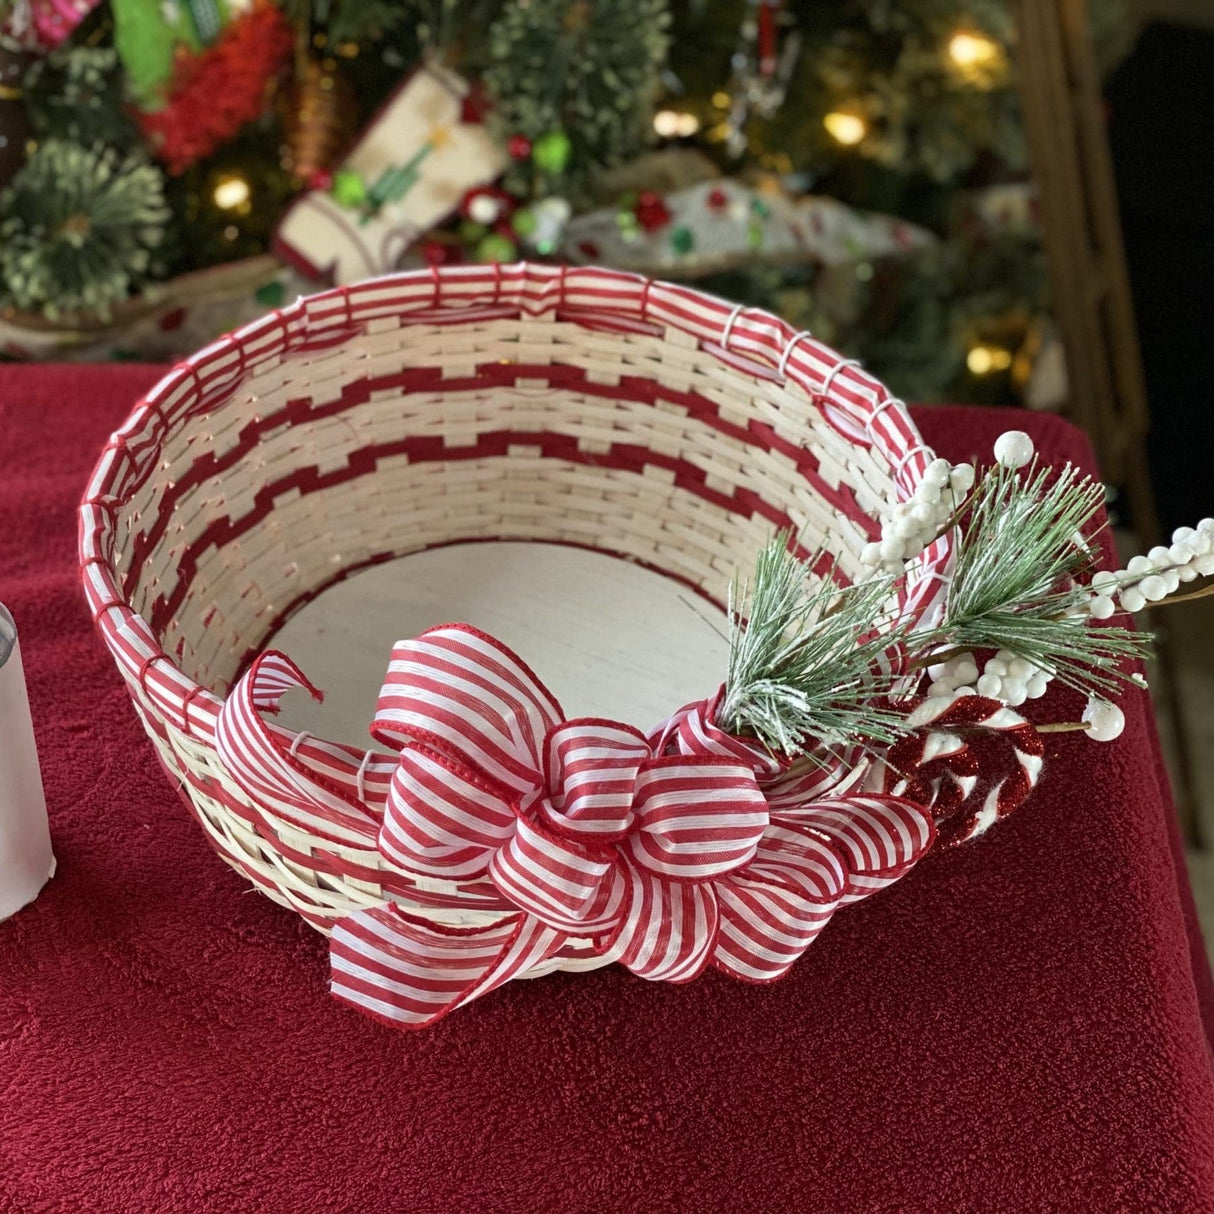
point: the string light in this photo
(969, 50)
(977, 58)
(982, 359)
(847, 129)
(232, 194)
(670, 124)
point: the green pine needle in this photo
(1013, 588)
(810, 661)
(1019, 539)
(806, 665)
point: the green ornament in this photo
(760, 208)
(496, 247)
(471, 232)
(551, 152)
(682, 240)
(754, 234)
(270, 294)
(628, 223)
(523, 221)
(348, 189)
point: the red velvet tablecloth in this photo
(1015, 1026)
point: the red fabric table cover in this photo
(1014, 1026)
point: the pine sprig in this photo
(1021, 548)
(807, 660)
(78, 229)
(1021, 539)
(590, 71)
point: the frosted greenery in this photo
(806, 657)
(812, 663)
(78, 227)
(1018, 584)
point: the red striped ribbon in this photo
(669, 853)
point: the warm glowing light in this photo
(979, 58)
(722, 100)
(844, 128)
(231, 194)
(670, 124)
(970, 50)
(982, 360)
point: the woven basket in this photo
(580, 406)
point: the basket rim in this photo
(747, 339)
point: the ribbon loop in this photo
(466, 695)
(590, 772)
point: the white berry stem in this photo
(1203, 593)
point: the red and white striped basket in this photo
(488, 837)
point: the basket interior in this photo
(403, 436)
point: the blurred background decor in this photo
(858, 166)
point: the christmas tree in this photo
(857, 166)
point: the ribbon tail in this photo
(409, 972)
(274, 773)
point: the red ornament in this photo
(717, 199)
(438, 252)
(221, 88)
(172, 320)
(519, 147)
(588, 248)
(651, 211)
(320, 179)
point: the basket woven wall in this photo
(580, 406)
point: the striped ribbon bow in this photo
(586, 838)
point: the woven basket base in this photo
(607, 636)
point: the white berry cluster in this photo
(1005, 677)
(1147, 579)
(914, 524)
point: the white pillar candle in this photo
(26, 859)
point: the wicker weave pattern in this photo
(580, 406)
